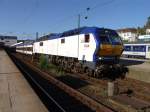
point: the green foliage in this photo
(147, 25)
(125, 41)
(43, 62)
(50, 67)
(141, 31)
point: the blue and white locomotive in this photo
(89, 48)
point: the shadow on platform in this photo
(126, 62)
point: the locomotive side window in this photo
(87, 38)
(41, 43)
(62, 41)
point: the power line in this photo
(99, 5)
(32, 12)
(103, 4)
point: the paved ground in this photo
(138, 69)
(16, 95)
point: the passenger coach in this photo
(138, 50)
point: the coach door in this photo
(148, 52)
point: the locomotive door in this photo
(86, 47)
(83, 47)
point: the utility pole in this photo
(78, 21)
(78, 33)
(37, 35)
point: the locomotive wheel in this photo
(96, 75)
(89, 72)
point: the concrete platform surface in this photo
(138, 69)
(16, 95)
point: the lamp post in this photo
(79, 20)
(78, 33)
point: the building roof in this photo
(8, 37)
(133, 30)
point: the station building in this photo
(128, 34)
(148, 31)
(7, 40)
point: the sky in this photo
(24, 18)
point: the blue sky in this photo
(25, 17)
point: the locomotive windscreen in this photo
(110, 36)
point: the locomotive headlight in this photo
(100, 58)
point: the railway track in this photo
(94, 81)
(53, 97)
(83, 102)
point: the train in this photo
(92, 50)
(137, 50)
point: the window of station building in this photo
(87, 38)
(62, 41)
(41, 43)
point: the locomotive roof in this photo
(82, 30)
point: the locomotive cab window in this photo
(62, 41)
(87, 38)
(104, 39)
(41, 43)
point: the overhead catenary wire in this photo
(82, 13)
(65, 19)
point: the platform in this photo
(138, 68)
(16, 95)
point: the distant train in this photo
(137, 50)
(90, 49)
(25, 48)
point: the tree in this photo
(141, 31)
(147, 25)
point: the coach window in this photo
(41, 43)
(127, 48)
(87, 38)
(62, 41)
(149, 48)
